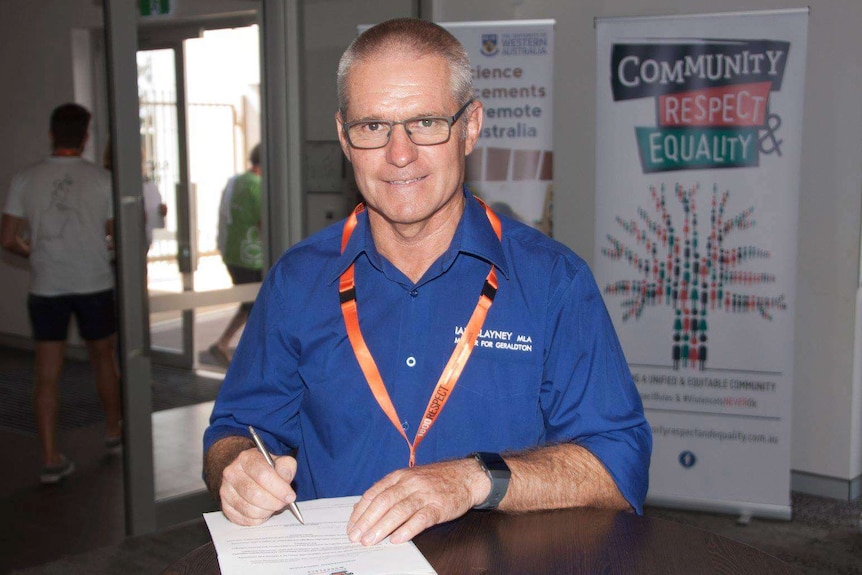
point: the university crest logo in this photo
(490, 46)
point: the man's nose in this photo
(400, 150)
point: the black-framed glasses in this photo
(422, 131)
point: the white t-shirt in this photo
(66, 201)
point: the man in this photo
(546, 384)
(65, 202)
(239, 242)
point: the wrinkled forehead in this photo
(385, 76)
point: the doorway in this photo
(156, 440)
(199, 111)
(193, 140)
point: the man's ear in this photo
(475, 118)
(342, 139)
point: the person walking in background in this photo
(66, 203)
(224, 215)
(239, 243)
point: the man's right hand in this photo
(251, 491)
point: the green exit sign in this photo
(154, 7)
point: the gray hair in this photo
(413, 36)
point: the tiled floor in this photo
(41, 522)
(177, 445)
(85, 512)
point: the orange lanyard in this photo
(456, 363)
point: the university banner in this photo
(698, 142)
(513, 70)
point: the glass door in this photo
(164, 167)
(193, 140)
(162, 133)
(199, 110)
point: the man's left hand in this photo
(408, 501)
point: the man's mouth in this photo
(406, 182)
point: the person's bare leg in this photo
(47, 369)
(104, 362)
(237, 321)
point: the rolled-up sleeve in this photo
(588, 395)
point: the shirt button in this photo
(411, 361)
(405, 426)
(414, 293)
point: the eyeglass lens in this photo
(421, 131)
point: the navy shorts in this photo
(240, 275)
(95, 314)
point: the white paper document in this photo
(320, 547)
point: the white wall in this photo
(824, 420)
(330, 27)
(35, 60)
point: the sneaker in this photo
(114, 445)
(54, 473)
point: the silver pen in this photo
(262, 448)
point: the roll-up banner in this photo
(513, 70)
(698, 140)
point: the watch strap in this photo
(498, 472)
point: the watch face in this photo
(494, 463)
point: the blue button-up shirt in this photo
(547, 367)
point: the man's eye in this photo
(372, 127)
(428, 124)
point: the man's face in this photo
(402, 182)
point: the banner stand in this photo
(742, 508)
(512, 166)
(698, 147)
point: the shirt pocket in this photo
(499, 378)
(496, 404)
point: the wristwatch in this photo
(499, 474)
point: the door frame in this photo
(186, 244)
(281, 33)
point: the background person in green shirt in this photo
(239, 243)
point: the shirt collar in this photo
(65, 159)
(474, 236)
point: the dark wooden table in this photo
(561, 542)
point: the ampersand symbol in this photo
(773, 122)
